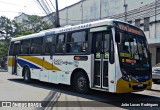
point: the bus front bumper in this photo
(127, 87)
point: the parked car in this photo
(156, 73)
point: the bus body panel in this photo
(56, 70)
(58, 67)
(10, 64)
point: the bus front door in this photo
(15, 55)
(100, 48)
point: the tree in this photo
(3, 49)
(21, 30)
(33, 24)
(7, 31)
(7, 27)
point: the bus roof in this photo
(68, 28)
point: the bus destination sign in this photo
(130, 29)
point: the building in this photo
(49, 19)
(144, 14)
(21, 17)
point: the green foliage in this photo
(10, 29)
(6, 26)
(3, 49)
(33, 24)
(45, 26)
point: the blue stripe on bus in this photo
(22, 63)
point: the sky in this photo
(12, 8)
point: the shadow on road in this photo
(110, 99)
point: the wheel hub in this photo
(81, 82)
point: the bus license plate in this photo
(140, 85)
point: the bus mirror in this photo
(117, 38)
(111, 56)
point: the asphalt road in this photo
(59, 97)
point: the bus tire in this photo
(81, 82)
(27, 75)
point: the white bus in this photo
(106, 55)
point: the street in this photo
(13, 88)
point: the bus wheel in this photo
(81, 83)
(26, 75)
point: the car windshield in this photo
(132, 49)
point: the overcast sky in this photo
(12, 8)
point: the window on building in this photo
(146, 24)
(36, 45)
(137, 23)
(60, 39)
(77, 42)
(25, 46)
(48, 44)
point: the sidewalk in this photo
(3, 70)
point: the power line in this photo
(46, 9)
(41, 6)
(9, 3)
(16, 12)
(48, 6)
(52, 5)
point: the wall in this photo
(153, 55)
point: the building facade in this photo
(144, 14)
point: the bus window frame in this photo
(21, 46)
(55, 43)
(52, 44)
(78, 53)
(42, 53)
(19, 51)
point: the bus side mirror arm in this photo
(111, 52)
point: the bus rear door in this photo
(16, 50)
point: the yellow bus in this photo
(106, 55)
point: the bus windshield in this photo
(133, 50)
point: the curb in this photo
(3, 70)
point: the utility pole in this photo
(125, 6)
(57, 15)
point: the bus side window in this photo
(77, 42)
(25, 46)
(16, 49)
(48, 44)
(36, 45)
(60, 39)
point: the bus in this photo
(105, 55)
